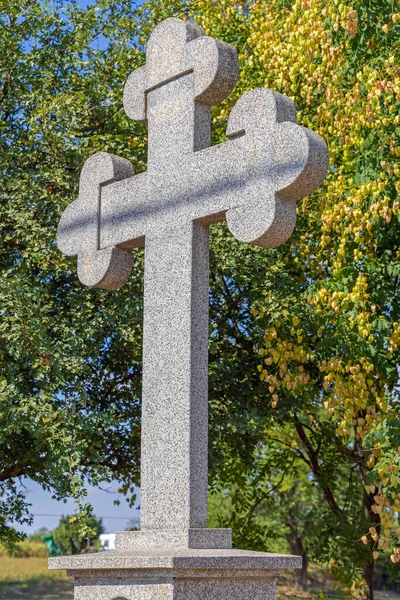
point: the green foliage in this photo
(304, 339)
(387, 576)
(69, 537)
(69, 357)
(39, 535)
(24, 549)
(319, 316)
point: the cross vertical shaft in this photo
(177, 125)
(175, 387)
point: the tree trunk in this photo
(302, 573)
(368, 574)
(296, 547)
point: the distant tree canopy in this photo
(70, 539)
(67, 538)
(39, 534)
(304, 339)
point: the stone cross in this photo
(252, 181)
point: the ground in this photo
(318, 582)
(29, 579)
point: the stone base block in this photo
(175, 574)
(130, 588)
(174, 538)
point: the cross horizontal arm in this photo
(150, 202)
(247, 173)
(252, 181)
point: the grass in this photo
(30, 579)
(318, 582)
(377, 596)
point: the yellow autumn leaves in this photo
(305, 50)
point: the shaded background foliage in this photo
(304, 339)
(70, 358)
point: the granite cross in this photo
(252, 181)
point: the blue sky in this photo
(47, 511)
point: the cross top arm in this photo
(175, 49)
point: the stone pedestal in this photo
(175, 574)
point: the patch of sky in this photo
(65, 11)
(47, 511)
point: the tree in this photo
(69, 537)
(274, 508)
(69, 357)
(304, 341)
(320, 315)
(39, 535)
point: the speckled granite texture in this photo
(174, 538)
(176, 588)
(252, 181)
(161, 573)
(175, 387)
(177, 558)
